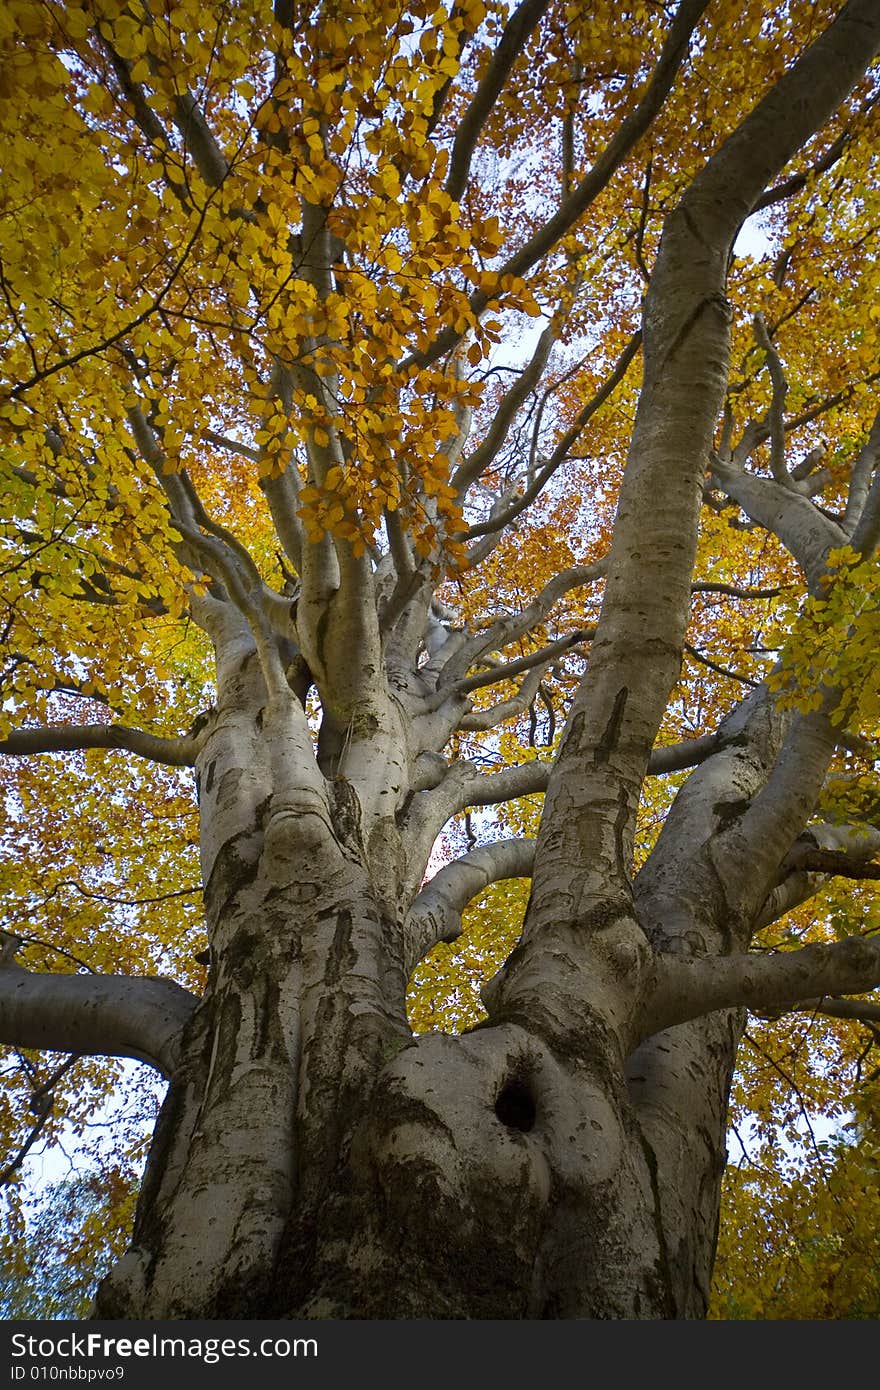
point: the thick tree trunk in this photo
(563, 1160)
(314, 1159)
(484, 1176)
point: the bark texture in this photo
(563, 1160)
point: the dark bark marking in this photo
(209, 780)
(692, 226)
(147, 1222)
(605, 914)
(712, 301)
(608, 742)
(342, 954)
(233, 871)
(347, 814)
(729, 811)
(575, 730)
(321, 629)
(267, 1034)
(228, 1029)
(665, 1272)
(621, 821)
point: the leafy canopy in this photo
(301, 249)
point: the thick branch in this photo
(67, 738)
(636, 654)
(688, 989)
(734, 590)
(480, 789)
(866, 534)
(525, 663)
(860, 1010)
(806, 533)
(436, 913)
(513, 625)
(823, 850)
(837, 864)
(484, 719)
(677, 756)
(198, 139)
(775, 417)
(758, 841)
(95, 1015)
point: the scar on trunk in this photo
(608, 741)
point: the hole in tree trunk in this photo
(515, 1107)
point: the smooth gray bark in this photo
(313, 1157)
(95, 1015)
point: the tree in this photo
(302, 499)
(45, 1273)
(798, 1254)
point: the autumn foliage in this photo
(346, 299)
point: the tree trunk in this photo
(314, 1160)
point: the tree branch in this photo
(517, 30)
(677, 756)
(507, 513)
(806, 533)
(482, 457)
(525, 663)
(636, 654)
(95, 1015)
(821, 851)
(859, 485)
(464, 786)
(789, 187)
(208, 158)
(688, 988)
(67, 738)
(719, 670)
(435, 914)
(861, 1010)
(734, 590)
(775, 416)
(511, 626)
(484, 719)
(629, 132)
(41, 1104)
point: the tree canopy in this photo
(451, 430)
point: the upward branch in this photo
(573, 207)
(636, 654)
(517, 30)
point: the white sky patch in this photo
(753, 240)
